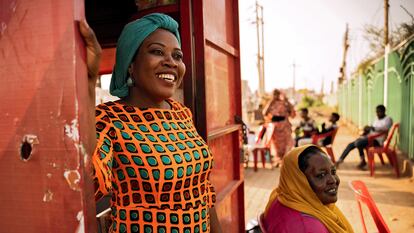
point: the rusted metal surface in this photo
(217, 52)
(46, 121)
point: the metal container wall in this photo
(217, 51)
(46, 120)
(45, 111)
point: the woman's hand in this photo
(93, 55)
(93, 58)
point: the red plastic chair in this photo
(263, 148)
(362, 195)
(386, 149)
(317, 137)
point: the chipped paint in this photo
(3, 28)
(13, 6)
(85, 158)
(72, 130)
(73, 178)
(48, 196)
(49, 175)
(81, 226)
(31, 139)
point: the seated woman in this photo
(305, 199)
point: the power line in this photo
(376, 17)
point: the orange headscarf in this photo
(295, 192)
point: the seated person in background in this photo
(382, 124)
(305, 199)
(325, 129)
(307, 126)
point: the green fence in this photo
(358, 96)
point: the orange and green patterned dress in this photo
(156, 166)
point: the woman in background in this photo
(279, 110)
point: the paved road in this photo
(394, 197)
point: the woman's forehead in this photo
(161, 36)
(319, 160)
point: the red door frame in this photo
(46, 137)
(232, 189)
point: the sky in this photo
(310, 33)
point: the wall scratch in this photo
(81, 226)
(48, 196)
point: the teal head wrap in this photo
(132, 36)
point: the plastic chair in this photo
(362, 195)
(329, 150)
(262, 146)
(389, 152)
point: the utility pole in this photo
(294, 80)
(322, 86)
(386, 51)
(260, 48)
(294, 66)
(342, 70)
(386, 10)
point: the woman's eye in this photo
(178, 56)
(321, 175)
(333, 172)
(157, 52)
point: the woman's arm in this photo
(291, 109)
(267, 108)
(93, 58)
(215, 226)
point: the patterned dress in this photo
(156, 166)
(281, 141)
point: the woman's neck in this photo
(143, 101)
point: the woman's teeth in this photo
(333, 191)
(167, 77)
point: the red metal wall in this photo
(217, 31)
(44, 102)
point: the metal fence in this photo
(358, 96)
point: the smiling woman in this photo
(305, 199)
(157, 70)
(321, 174)
(149, 156)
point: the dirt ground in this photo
(394, 197)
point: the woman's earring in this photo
(130, 82)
